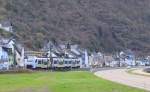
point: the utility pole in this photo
(119, 59)
(14, 55)
(50, 56)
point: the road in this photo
(121, 76)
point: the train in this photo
(66, 63)
(54, 63)
(37, 63)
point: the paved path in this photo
(121, 76)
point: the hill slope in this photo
(106, 25)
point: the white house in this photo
(127, 58)
(6, 26)
(96, 60)
(6, 56)
(9, 54)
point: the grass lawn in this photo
(59, 82)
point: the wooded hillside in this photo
(105, 25)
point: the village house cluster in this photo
(60, 56)
(63, 56)
(122, 59)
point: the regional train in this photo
(56, 63)
(66, 63)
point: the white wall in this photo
(86, 59)
(3, 54)
(8, 29)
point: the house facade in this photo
(99, 60)
(96, 60)
(9, 56)
(127, 58)
(6, 26)
(6, 54)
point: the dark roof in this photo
(4, 41)
(17, 49)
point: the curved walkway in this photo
(121, 76)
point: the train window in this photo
(69, 62)
(36, 61)
(45, 63)
(39, 62)
(66, 62)
(55, 62)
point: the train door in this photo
(39, 63)
(46, 63)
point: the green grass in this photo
(59, 82)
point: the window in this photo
(55, 62)
(36, 61)
(18, 59)
(66, 62)
(39, 62)
(78, 62)
(69, 62)
(45, 63)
